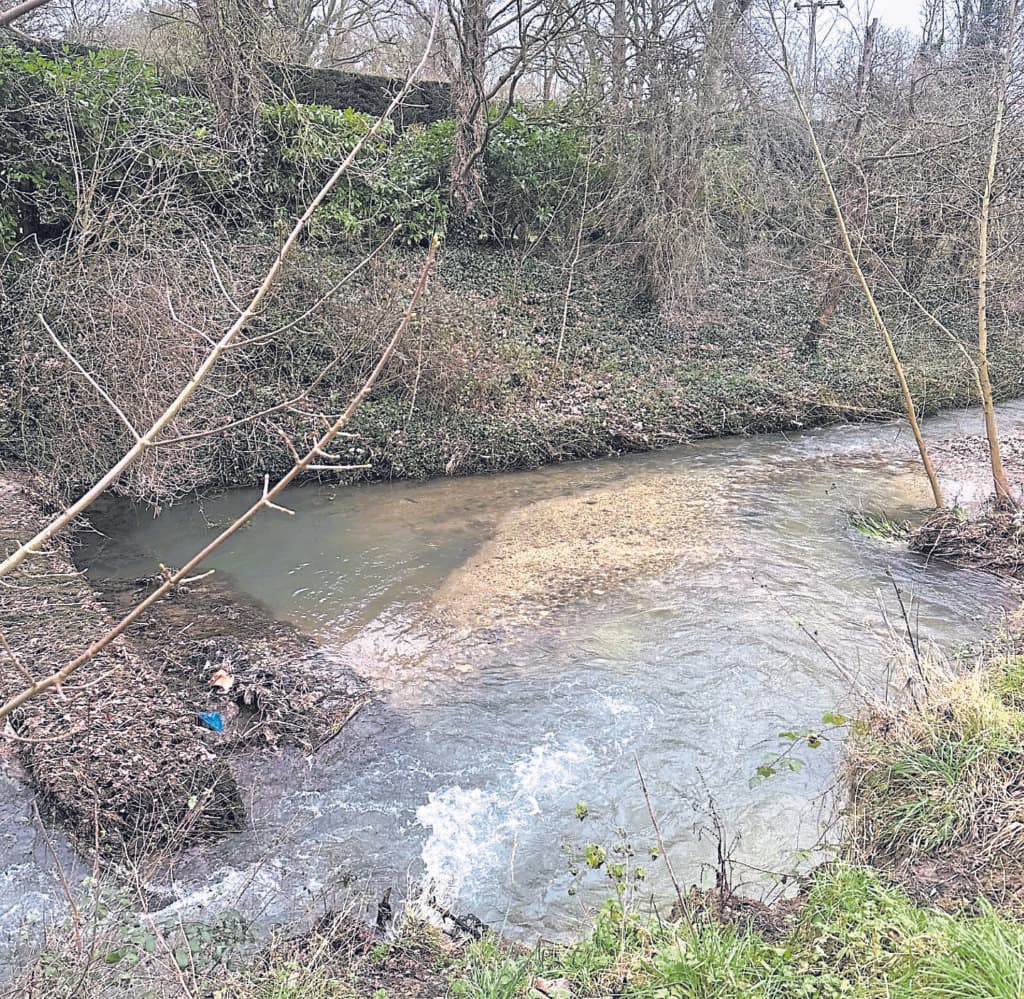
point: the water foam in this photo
(474, 831)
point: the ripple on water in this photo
(467, 768)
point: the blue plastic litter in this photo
(213, 720)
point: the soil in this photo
(118, 753)
(956, 880)
(772, 920)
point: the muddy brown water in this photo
(529, 634)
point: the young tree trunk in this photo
(1002, 486)
(720, 25)
(468, 104)
(853, 202)
(854, 262)
(619, 30)
(232, 38)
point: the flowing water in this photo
(465, 771)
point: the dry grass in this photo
(119, 951)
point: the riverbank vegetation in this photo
(645, 258)
(924, 896)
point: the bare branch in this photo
(92, 381)
(149, 438)
(266, 501)
(8, 17)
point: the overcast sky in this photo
(899, 13)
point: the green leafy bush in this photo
(92, 143)
(303, 144)
(536, 175)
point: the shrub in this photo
(535, 176)
(92, 144)
(535, 173)
(303, 146)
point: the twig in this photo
(356, 708)
(657, 833)
(149, 438)
(14, 659)
(266, 500)
(89, 378)
(906, 621)
(76, 915)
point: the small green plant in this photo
(809, 738)
(492, 971)
(878, 527)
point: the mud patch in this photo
(958, 880)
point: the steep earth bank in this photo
(518, 358)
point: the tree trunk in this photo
(232, 37)
(999, 480)
(869, 298)
(619, 31)
(468, 104)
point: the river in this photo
(506, 698)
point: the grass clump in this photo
(983, 956)
(946, 773)
(879, 527)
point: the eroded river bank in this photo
(528, 634)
